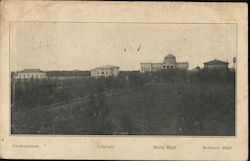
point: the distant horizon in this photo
(61, 70)
(69, 46)
(230, 66)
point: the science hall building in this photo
(168, 63)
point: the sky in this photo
(83, 46)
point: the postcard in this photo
(124, 80)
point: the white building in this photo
(105, 71)
(30, 73)
(216, 64)
(168, 63)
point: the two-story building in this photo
(105, 71)
(30, 73)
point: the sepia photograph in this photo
(105, 78)
(99, 80)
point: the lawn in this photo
(158, 109)
(149, 110)
(175, 109)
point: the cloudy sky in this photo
(83, 46)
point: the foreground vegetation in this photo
(173, 102)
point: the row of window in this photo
(168, 67)
(102, 73)
(164, 67)
(30, 76)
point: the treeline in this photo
(178, 75)
(37, 92)
(217, 76)
(75, 73)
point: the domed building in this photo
(169, 62)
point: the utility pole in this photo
(234, 61)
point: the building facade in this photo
(216, 64)
(105, 71)
(30, 73)
(169, 62)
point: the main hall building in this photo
(168, 63)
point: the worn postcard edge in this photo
(126, 147)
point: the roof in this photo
(146, 63)
(182, 63)
(31, 71)
(157, 63)
(216, 62)
(151, 63)
(107, 66)
(170, 56)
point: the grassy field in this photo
(158, 109)
(149, 110)
(182, 109)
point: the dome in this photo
(170, 60)
(170, 56)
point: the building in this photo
(169, 62)
(105, 71)
(216, 64)
(30, 73)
